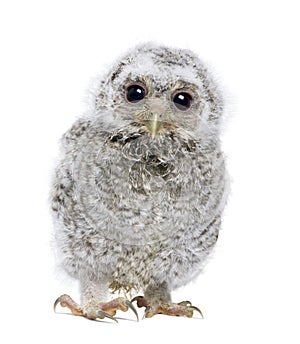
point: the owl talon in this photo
(119, 303)
(140, 301)
(183, 308)
(197, 310)
(131, 306)
(106, 310)
(103, 315)
(66, 301)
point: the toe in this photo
(66, 301)
(119, 303)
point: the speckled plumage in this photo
(134, 211)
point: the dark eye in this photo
(135, 93)
(183, 100)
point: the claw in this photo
(66, 301)
(140, 300)
(196, 309)
(136, 298)
(103, 315)
(189, 305)
(57, 301)
(62, 300)
(130, 305)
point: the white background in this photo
(49, 52)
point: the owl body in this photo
(140, 188)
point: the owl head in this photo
(161, 90)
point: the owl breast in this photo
(139, 190)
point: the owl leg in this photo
(157, 300)
(93, 306)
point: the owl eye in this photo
(183, 100)
(135, 93)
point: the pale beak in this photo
(154, 125)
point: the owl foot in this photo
(183, 308)
(101, 311)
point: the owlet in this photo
(140, 188)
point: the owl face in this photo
(161, 90)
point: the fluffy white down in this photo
(131, 210)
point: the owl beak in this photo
(154, 125)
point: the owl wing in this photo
(72, 136)
(62, 201)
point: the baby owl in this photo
(139, 191)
